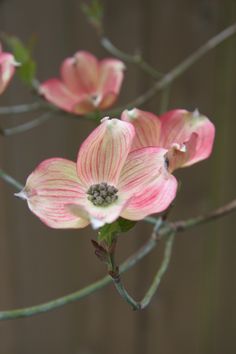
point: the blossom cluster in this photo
(125, 166)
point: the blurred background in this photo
(194, 309)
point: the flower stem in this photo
(180, 226)
(132, 59)
(80, 294)
(27, 126)
(140, 305)
(23, 108)
(10, 180)
(161, 271)
(178, 70)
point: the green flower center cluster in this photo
(102, 194)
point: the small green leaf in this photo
(94, 13)
(108, 232)
(125, 225)
(23, 55)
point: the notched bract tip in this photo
(104, 119)
(196, 113)
(22, 195)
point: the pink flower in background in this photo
(86, 84)
(188, 136)
(7, 69)
(107, 181)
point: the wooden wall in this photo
(194, 310)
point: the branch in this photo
(155, 283)
(180, 226)
(10, 180)
(80, 294)
(27, 126)
(23, 108)
(132, 59)
(179, 69)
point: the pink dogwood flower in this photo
(86, 84)
(107, 181)
(7, 69)
(188, 136)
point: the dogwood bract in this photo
(188, 136)
(107, 181)
(7, 69)
(86, 84)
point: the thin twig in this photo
(161, 271)
(80, 294)
(132, 59)
(180, 226)
(129, 263)
(140, 305)
(27, 126)
(179, 69)
(23, 108)
(10, 180)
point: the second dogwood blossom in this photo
(188, 136)
(86, 84)
(107, 181)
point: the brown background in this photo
(194, 310)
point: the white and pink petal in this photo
(178, 127)
(103, 154)
(147, 127)
(179, 155)
(50, 188)
(57, 93)
(70, 77)
(146, 180)
(111, 75)
(87, 70)
(201, 148)
(7, 69)
(154, 198)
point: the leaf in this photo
(94, 13)
(125, 225)
(108, 232)
(23, 55)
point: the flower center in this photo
(102, 194)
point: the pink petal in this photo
(103, 154)
(87, 71)
(71, 78)
(177, 126)
(7, 69)
(50, 188)
(111, 74)
(58, 94)
(204, 142)
(147, 127)
(145, 178)
(177, 156)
